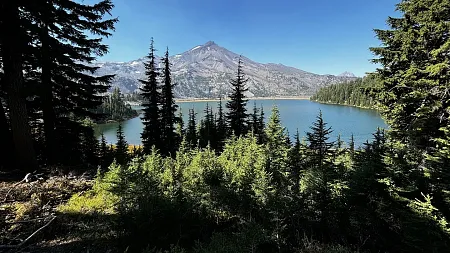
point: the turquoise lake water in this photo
(295, 114)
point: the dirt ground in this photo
(30, 221)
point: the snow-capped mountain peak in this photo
(205, 71)
(347, 74)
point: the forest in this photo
(114, 108)
(229, 182)
(352, 93)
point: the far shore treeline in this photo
(232, 182)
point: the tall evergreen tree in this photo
(151, 135)
(413, 92)
(237, 112)
(121, 151)
(276, 149)
(254, 120)
(207, 132)
(191, 131)
(351, 144)
(13, 46)
(180, 131)
(104, 154)
(261, 126)
(69, 91)
(168, 110)
(296, 163)
(322, 172)
(221, 126)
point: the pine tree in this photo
(207, 131)
(180, 131)
(322, 172)
(13, 46)
(237, 116)
(276, 149)
(351, 144)
(168, 110)
(121, 151)
(69, 90)
(90, 145)
(339, 142)
(151, 135)
(296, 163)
(261, 126)
(191, 131)
(254, 120)
(104, 154)
(221, 126)
(413, 96)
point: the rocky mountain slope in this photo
(204, 72)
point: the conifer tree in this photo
(207, 132)
(322, 172)
(191, 131)
(89, 144)
(104, 154)
(276, 149)
(254, 120)
(221, 126)
(296, 163)
(237, 116)
(413, 93)
(68, 89)
(339, 142)
(351, 145)
(151, 135)
(180, 131)
(261, 126)
(121, 151)
(168, 110)
(13, 46)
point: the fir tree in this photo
(413, 92)
(67, 83)
(89, 144)
(207, 132)
(322, 172)
(104, 154)
(237, 116)
(351, 144)
(13, 46)
(339, 142)
(151, 135)
(261, 126)
(221, 126)
(121, 151)
(180, 131)
(191, 131)
(254, 120)
(168, 110)
(296, 163)
(276, 149)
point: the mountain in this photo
(347, 74)
(205, 70)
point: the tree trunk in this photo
(47, 99)
(13, 43)
(5, 136)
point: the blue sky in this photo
(320, 36)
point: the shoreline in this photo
(186, 100)
(356, 106)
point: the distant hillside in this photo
(349, 93)
(204, 72)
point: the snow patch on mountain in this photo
(205, 72)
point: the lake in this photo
(295, 114)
